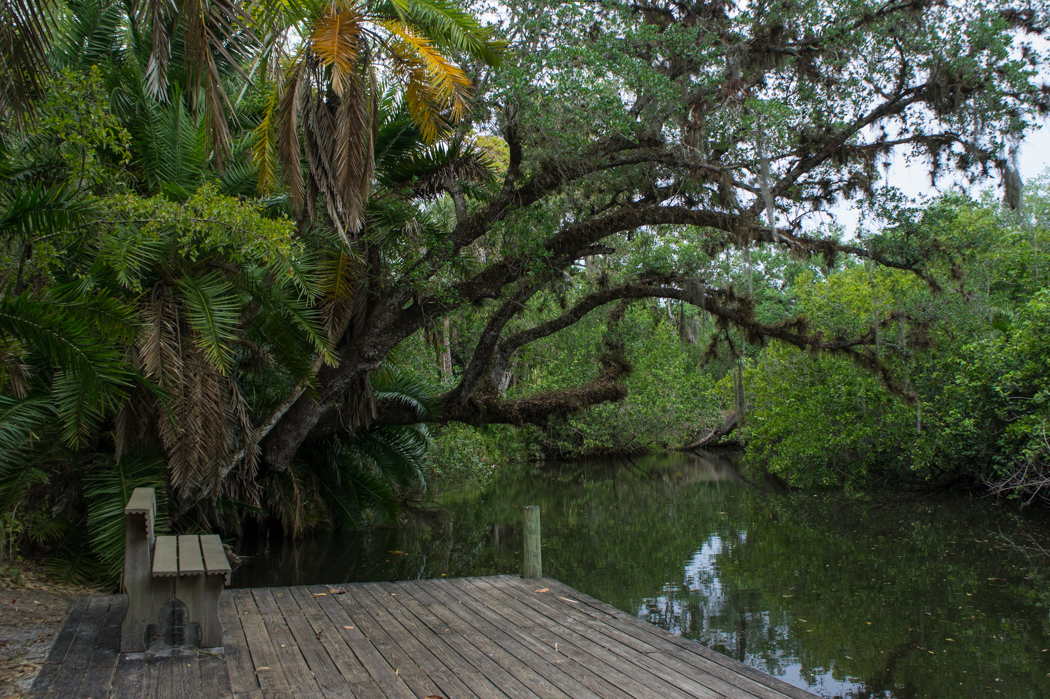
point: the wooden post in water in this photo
(532, 565)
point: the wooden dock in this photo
(468, 637)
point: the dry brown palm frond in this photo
(160, 347)
(136, 418)
(201, 414)
(13, 373)
(25, 35)
(202, 444)
(288, 495)
(336, 40)
(356, 122)
(247, 489)
(358, 408)
(331, 94)
(289, 152)
(211, 28)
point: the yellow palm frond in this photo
(444, 79)
(264, 147)
(424, 104)
(335, 40)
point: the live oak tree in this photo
(711, 128)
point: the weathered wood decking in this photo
(468, 637)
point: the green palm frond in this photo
(395, 384)
(112, 318)
(90, 35)
(108, 488)
(213, 309)
(398, 453)
(428, 173)
(79, 412)
(22, 425)
(75, 562)
(21, 420)
(359, 496)
(92, 368)
(33, 210)
(178, 157)
(130, 255)
(448, 25)
(239, 180)
(26, 29)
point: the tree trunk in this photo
(446, 349)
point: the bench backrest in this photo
(143, 502)
(140, 516)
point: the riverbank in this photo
(32, 611)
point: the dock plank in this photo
(487, 637)
(186, 674)
(238, 660)
(711, 675)
(301, 680)
(76, 661)
(691, 652)
(60, 647)
(127, 678)
(452, 674)
(379, 670)
(346, 662)
(267, 664)
(469, 645)
(452, 612)
(599, 657)
(98, 678)
(522, 642)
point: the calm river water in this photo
(888, 597)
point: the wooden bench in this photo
(192, 569)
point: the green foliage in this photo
(107, 488)
(665, 401)
(975, 363)
(352, 482)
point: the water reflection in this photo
(890, 597)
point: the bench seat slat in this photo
(215, 556)
(164, 557)
(190, 561)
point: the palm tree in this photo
(348, 482)
(333, 86)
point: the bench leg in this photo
(137, 585)
(162, 592)
(200, 594)
(211, 627)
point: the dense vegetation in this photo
(251, 252)
(963, 399)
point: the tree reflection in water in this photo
(884, 596)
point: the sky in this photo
(914, 180)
